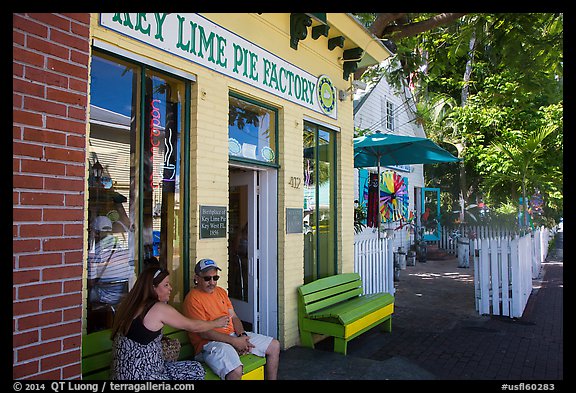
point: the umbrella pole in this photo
(378, 195)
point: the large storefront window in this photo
(135, 182)
(319, 202)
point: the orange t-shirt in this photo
(207, 306)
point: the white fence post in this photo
(484, 277)
(494, 270)
(536, 253)
(477, 276)
(505, 274)
(521, 275)
(515, 255)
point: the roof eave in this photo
(374, 50)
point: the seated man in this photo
(221, 348)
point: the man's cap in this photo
(205, 264)
(102, 223)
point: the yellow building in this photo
(262, 140)
(224, 136)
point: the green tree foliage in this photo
(514, 92)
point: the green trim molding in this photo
(299, 24)
(351, 58)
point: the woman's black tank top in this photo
(139, 333)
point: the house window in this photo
(251, 131)
(390, 116)
(320, 224)
(135, 154)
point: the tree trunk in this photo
(382, 27)
(464, 99)
(382, 21)
(524, 201)
(397, 32)
(468, 71)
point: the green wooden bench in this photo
(97, 356)
(335, 306)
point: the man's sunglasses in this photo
(208, 278)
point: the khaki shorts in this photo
(222, 357)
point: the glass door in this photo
(243, 245)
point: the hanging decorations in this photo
(393, 197)
(406, 222)
(536, 204)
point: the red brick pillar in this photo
(50, 96)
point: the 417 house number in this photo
(295, 181)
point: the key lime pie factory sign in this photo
(197, 39)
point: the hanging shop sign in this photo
(201, 41)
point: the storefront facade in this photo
(178, 137)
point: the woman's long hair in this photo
(141, 297)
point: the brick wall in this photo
(50, 85)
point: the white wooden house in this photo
(385, 109)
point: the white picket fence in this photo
(539, 245)
(504, 268)
(448, 244)
(374, 261)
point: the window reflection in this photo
(251, 131)
(319, 203)
(162, 163)
(326, 205)
(111, 207)
(310, 263)
(116, 221)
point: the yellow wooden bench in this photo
(97, 356)
(335, 306)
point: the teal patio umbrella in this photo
(378, 149)
(389, 149)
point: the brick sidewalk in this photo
(437, 333)
(501, 348)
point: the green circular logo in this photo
(326, 94)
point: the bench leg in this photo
(387, 325)
(340, 345)
(306, 339)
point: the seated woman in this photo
(137, 331)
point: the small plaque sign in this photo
(294, 220)
(212, 222)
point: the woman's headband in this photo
(159, 276)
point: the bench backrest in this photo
(328, 291)
(96, 355)
(97, 351)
